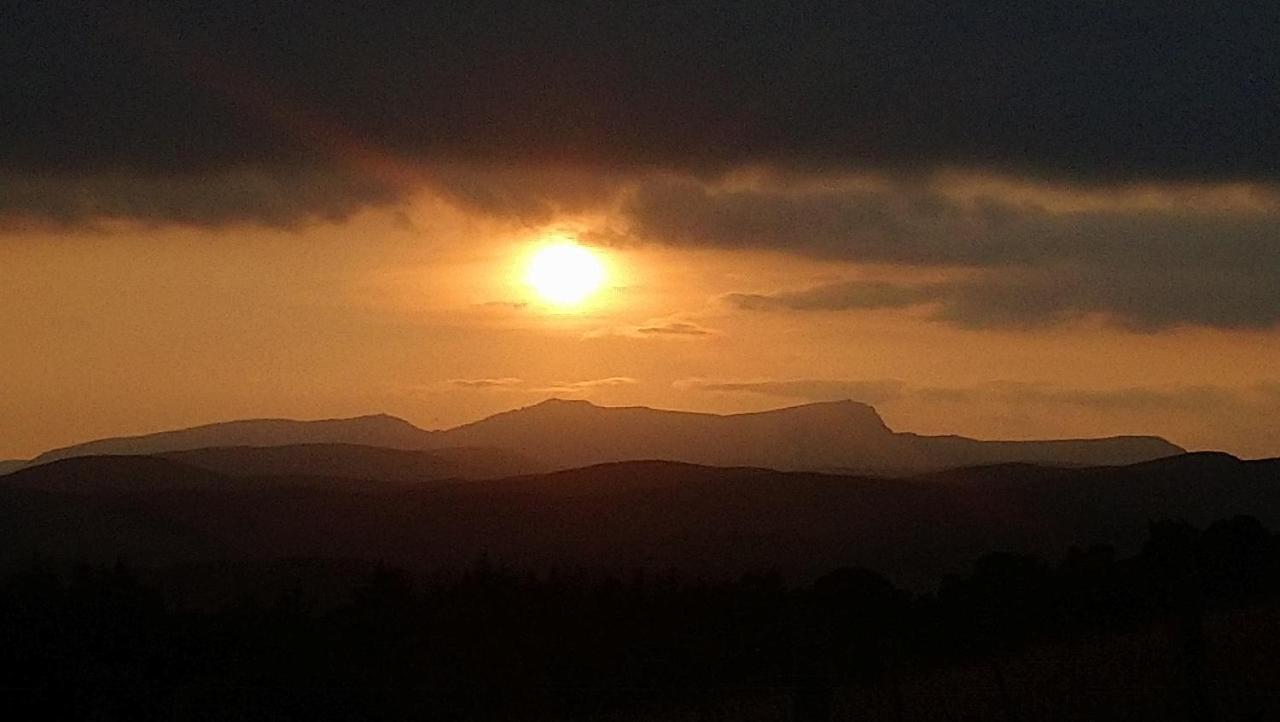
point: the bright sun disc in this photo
(565, 274)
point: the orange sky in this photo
(419, 309)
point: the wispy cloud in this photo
(518, 385)
(674, 327)
(571, 387)
(506, 382)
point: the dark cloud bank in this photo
(1089, 90)
(278, 113)
(1144, 268)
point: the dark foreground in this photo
(1186, 629)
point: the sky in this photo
(1042, 220)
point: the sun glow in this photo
(565, 274)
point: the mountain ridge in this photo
(390, 432)
(843, 436)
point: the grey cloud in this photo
(533, 194)
(1142, 301)
(275, 197)
(674, 328)
(496, 383)
(912, 224)
(847, 296)
(1025, 265)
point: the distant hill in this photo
(376, 430)
(351, 461)
(124, 475)
(113, 474)
(571, 434)
(718, 522)
(834, 436)
(843, 436)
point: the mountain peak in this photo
(843, 412)
(556, 401)
(836, 404)
(386, 420)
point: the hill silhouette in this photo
(841, 436)
(353, 461)
(712, 521)
(375, 430)
(113, 474)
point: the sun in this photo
(565, 274)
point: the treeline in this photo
(99, 643)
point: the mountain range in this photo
(567, 484)
(841, 436)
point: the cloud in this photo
(574, 387)
(1137, 300)
(278, 197)
(405, 93)
(506, 382)
(872, 392)
(519, 385)
(674, 328)
(928, 224)
(505, 305)
(671, 328)
(189, 113)
(1143, 264)
(845, 296)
